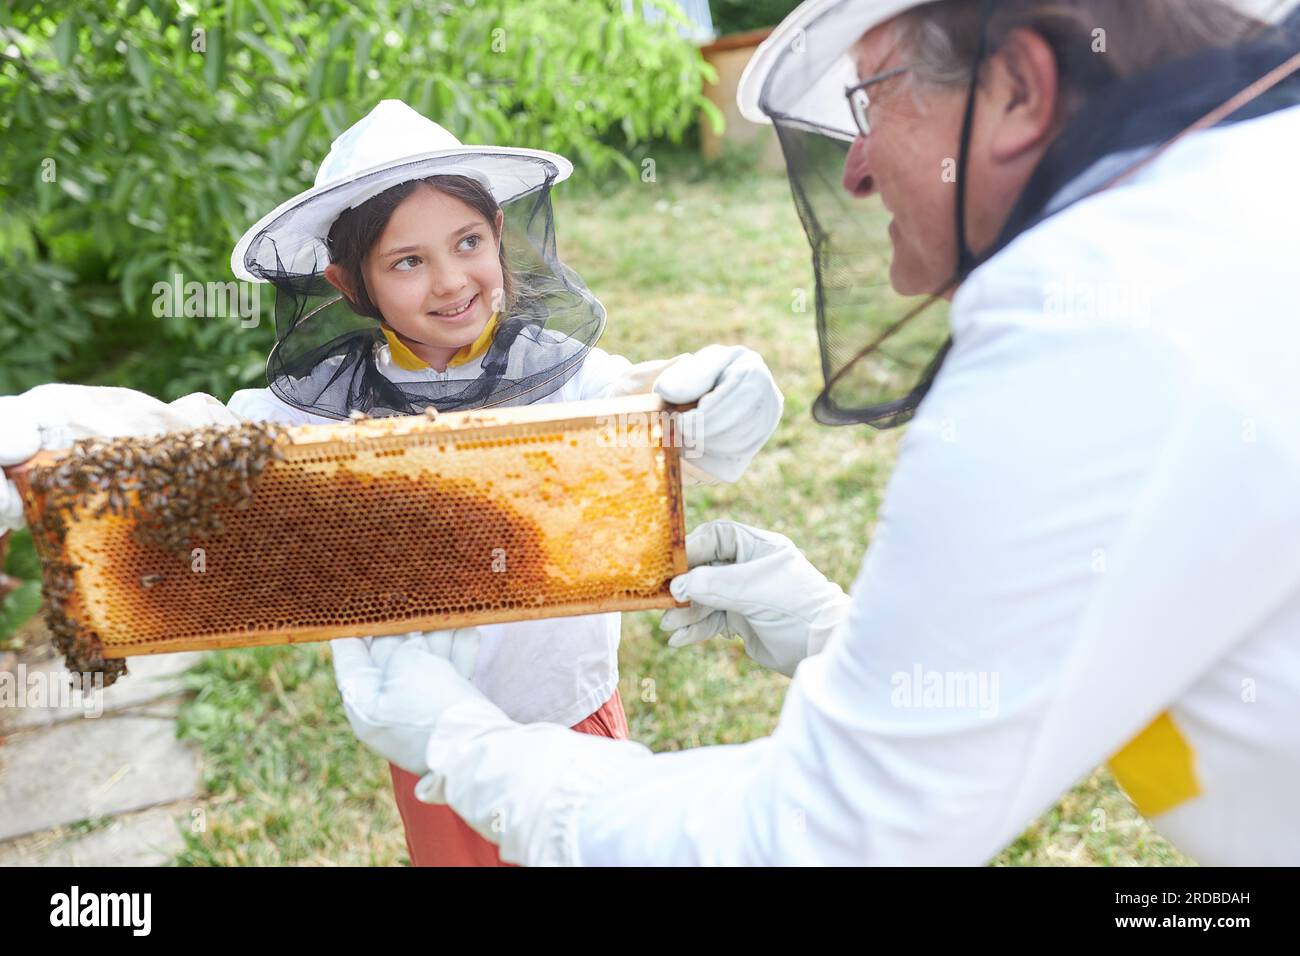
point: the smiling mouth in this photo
(457, 311)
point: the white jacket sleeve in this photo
(260, 404)
(612, 376)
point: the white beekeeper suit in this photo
(1089, 551)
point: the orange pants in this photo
(435, 836)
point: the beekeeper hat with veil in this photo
(880, 351)
(326, 356)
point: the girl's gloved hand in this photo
(758, 586)
(395, 688)
(56, 415)
(739, 406)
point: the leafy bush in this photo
(22, 565)
(139, 138)
(737, 16)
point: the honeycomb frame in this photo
(392, 525)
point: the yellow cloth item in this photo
(409, 361)
(1156, 768)
(404, 357)
(480, 345)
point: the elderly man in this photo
(1090, 548)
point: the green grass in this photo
(679, 263)
(287, 780)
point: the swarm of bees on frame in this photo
(171, 485)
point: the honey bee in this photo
(178, 485)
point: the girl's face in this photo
(435, 273)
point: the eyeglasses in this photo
(859, 102)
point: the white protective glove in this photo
(54, 416)
(739, 406)
(394, 689)
(408, 698)
(758, 586)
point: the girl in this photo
(419, 272)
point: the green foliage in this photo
(18, 607)
(22, 562)
(139, 138)
(21, 604)
(737, 16)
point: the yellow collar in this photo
(410, 362)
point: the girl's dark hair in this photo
(356, 230)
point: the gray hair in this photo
(940, 38)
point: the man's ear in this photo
(338, 278)
(1022, 83)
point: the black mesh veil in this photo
(880, 351)
(877, 347)
(325, 357)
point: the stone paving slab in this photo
(77, 769)
(39, 694)
(150, 838)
